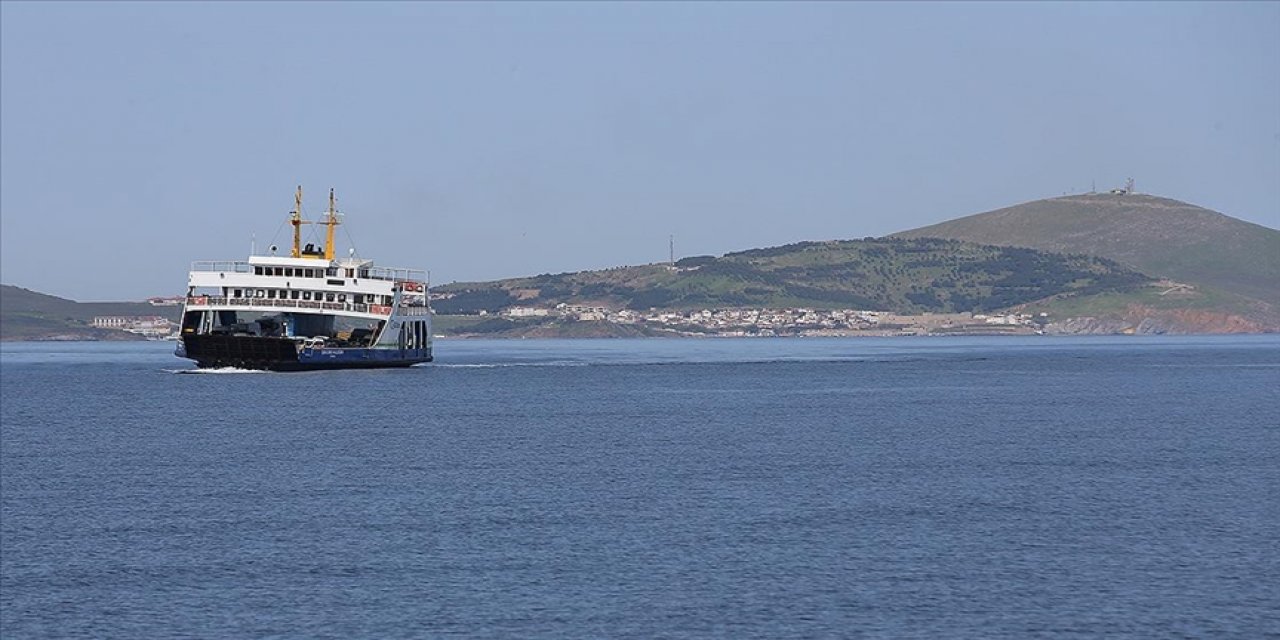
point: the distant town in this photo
(700, 322)
(736, 322)
(747, 322)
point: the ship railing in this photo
(391, 274)
(284, 303)
(229, 266)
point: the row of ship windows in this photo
(318, 296)
(306, 272)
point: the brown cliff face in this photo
(1191, 321)
(1144, 320)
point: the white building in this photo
(149, 326)
(525, 312)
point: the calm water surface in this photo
(983, 488)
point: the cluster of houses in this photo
(799, 321)
(151, 327)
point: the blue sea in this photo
(703, 488)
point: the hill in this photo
(891, 274)
(1087, 263)
(30, 315)
(1157, 236)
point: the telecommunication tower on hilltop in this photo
(1126, 190)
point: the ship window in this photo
(236, 293)
(288, 271)
(257, 271)
(342, 297)
(351, 273)
(293, 294)
(306, 295)
(328, 297)
(271, 293)
(279, 271)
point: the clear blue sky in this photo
(492, 140)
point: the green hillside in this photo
(30, 315)
(908, 276)
(1157, 236)
(1089, 263)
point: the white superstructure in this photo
(308, 297)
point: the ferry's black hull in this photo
(282, 354)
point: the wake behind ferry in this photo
(309, 310)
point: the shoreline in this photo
(726, 336)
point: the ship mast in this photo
(331, 221)
(296, 221)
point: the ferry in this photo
(305, 311)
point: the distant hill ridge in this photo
(27, 314)
(891, 274)
(1158, 236)
(1092, 258)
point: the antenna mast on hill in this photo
(1128, 185)
(671, 248)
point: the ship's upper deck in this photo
(310, 277)
(280, 266)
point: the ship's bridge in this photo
(310, 277)
(348, 284)
(347, 272)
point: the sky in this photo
(489, 140)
